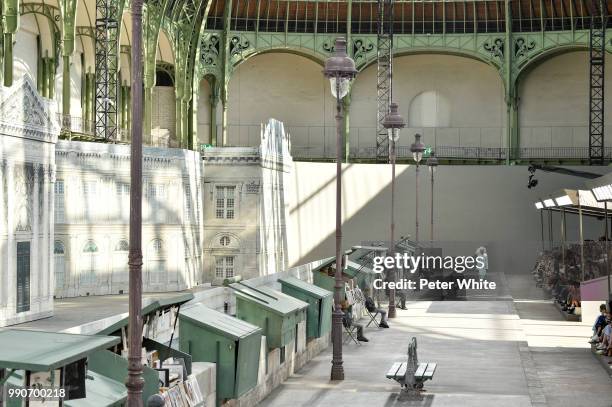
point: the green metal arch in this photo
(544, 55)
(437, 51)
(302, 52)
(53, 15)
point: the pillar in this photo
(46, 268)
(91, 102)
(186, 113)
(346, 104)
(148, 118)
(9, 289)
(8, 59)
(51, 78)
(37, 258)
(3, 253)
(49, 200)
(223, 122)
(179, 121)
(66, 119)
(213, 100)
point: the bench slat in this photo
(402, 370)
(393, 370)
(420, 370)
(431, 368)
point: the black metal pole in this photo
(392, 310)
(542, 227)
(607, 249)
(135, 381)
(564, 238)
(337, 370)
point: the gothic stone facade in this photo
(28, 133)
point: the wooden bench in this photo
(411, 374)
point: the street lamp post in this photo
(340, 70)
(417, 148)
(432, 163)
(135, 381)
(393, 123)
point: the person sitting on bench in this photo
(347, 321)
(371, 307)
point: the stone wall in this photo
(245, 207)
(92, 218)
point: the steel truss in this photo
(597, 51)
(107, 59)
(384, 76)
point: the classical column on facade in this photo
(50, 209)
(9, 294)
(37, 258)
(47, 239)
(3, 253)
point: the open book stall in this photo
(166, 370)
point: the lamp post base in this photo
(337, 370)
(392, 313)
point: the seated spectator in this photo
(605, 347)
(348, 322)
(371, 307)
(599, 325)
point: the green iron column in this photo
(186, 143)
(148, 108)
(45, 76)
(10, 23)
(214, 102)
(346, 103)
(225, 69)
(51, 77)
(66, 120)
(68, 8)
(512, 134)
(192, 124)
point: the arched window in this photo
(59, 248)
(429, 109)
(224, 241)
(59, 251)
(90, 247)
(122, 246)
(120, 262)
(158, 246)
(157, 262)
(89, 264)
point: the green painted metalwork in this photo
(318, 318)
(234, 345)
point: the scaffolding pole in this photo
(597, 58)
(107, 60)
(384, 76)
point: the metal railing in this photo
(459, 153)
(76, 124)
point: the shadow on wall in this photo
(473, 206)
